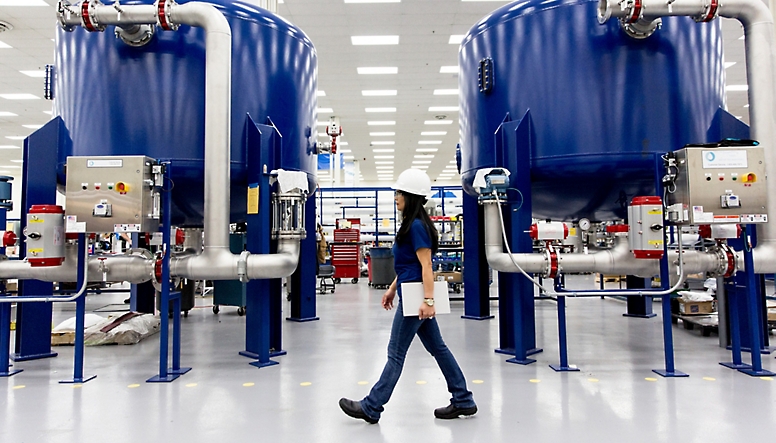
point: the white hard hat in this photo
(413, 181)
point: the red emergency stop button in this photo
(750, 177)
(122, 187)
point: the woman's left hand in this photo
(426, 311)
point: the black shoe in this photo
(353, 409)
(450, 412)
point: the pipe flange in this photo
(710, 12)
(553, 262)
(727, 260)
(137, 36)
(65, 10)
(88, 20)
(635, 11)
(163, 15)
(641, 29)
(604, 11)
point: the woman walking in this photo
(415, 243)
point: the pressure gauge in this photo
(584, 224)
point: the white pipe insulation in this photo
(216, 262)
(760, 49)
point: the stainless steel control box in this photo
(719, 185)
(111, 194)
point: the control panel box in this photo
(112, 194)
(718, 185)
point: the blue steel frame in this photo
(80, 314)
(5, 320)
(39, 186)
(263, 325)
(167, 375)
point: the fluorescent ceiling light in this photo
(383, 167)
(453, 161)
(377, 70)
(729, 88)
(434, 133)
(23, 3)
(383, 143)
(342, 143)
(445, 91)
(33, 126)
(443, 109)
(380, 109)
(424, 156)
(321, 93)
(746, 106)
(430, 142)
(382, 134)
(320, 123)
(383, 156)
(345, 151)
(372, 1)
(17, 161)
(379, 92)
(419, 167)
(19, 97)
(9, 147)
(49, 112)
(4, 45)
(7, 114)
(385, 179)
(384, 162)
(438, 122)
(323, 134)
(381, 123)
(348, 157)
(448, 70)
(729, 64)
(359, 40)
(426, 150)
(15, 137)
(456, 39)
(421, 162)
(326, 110)
(36, 74)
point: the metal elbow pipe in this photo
(221, 264)
(131, 268)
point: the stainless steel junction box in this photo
(112, 194)
(718, 185)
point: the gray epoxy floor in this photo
(616, 397)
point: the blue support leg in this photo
(564, 360)
(80, 314)
(5, 341)
(735, 336)
(176, 335)
(754, 321)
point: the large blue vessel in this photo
(116, 99)
(601, 102)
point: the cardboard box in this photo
(771, 314)
(450, 277)
(696, 307)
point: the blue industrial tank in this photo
(120, 100)
(601, 102)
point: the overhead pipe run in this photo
(760, 48)
(216, 262)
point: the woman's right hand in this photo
(388, 299)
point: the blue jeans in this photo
(402, 333)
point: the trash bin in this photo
(382, 267)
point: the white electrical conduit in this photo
(760, 45)
(52, 298)
(489, 252)
(216, 262)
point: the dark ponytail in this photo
(414, 209)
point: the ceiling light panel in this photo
(7, 114)
(434, 133)
(35, 74)
(382, 134)
(381, 123)
(383, 143)
(449, 70)
(426, 150)
(421, 162)
(380, 92)
(456, 39)
(325, 110)
(19, 97)
(424, 156)
(4, 45)
(33, 126)
(383, 150)
(360, 40)
(377, 70)
(729, 88)
(430, 142)
(383, 157)
(321, 93)
(443, 109)
(445, 91)
(23, 3)
(384, 162)
(9, 147)
(438, 122)
(380, 109)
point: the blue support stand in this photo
(80, 314)
(168, 374)
(668, 335)
(476, 298)
(735, 335)
(564, 359)
(517, 325)
(754, 319)
(262, 313)
(39, 185)
(302, 282)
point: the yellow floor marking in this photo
(191, 385)
(305, 383)
(478, 382)
(132, 386)
(593, 380)
(650, 379)
(766, 378)
(421, 382)
(19, 386)
(248, 385)
(78, 386)
(709, 378)
(363, 383)
(534, 380)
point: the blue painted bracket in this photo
(476, 298)
(80, 314)
(5, 323)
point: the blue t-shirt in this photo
(405, 258)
